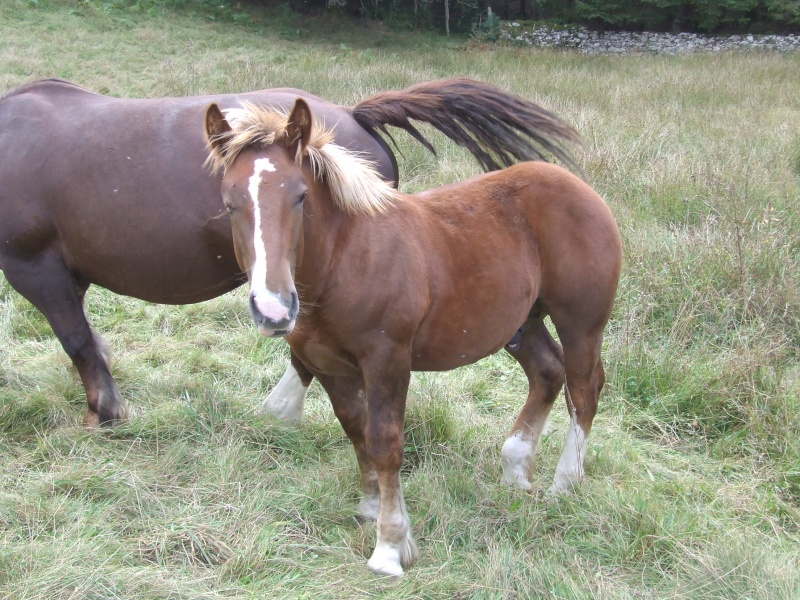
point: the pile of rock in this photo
(620, 42)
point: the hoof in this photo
(91, 420)
(514, 478)
(563, 485)
(386, 561)
(283, 409)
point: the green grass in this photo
(693, 471)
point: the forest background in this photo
(460, 16)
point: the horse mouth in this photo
(268, 332)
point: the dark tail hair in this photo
(497, 127)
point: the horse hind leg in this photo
(584, 380)
(51, 288)
(543, 362)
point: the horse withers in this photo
(112, 192)
(368, 285)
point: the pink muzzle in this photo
(274, 314)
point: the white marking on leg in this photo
(286, 401)
(518, 454)
(569, 471)
(395, 547)
(517, 459)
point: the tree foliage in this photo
(706, 16)
(481, 16)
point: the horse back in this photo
(483, 252)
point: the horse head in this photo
(273, 165)
(263, 190)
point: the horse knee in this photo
(540, 356)
(546, 369)
(551, 370)
(599, 376)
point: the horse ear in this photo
(298, 128)
(218, 130)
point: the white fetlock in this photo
(569, 472)
(516, 458)
(287, 400)
(409, 552)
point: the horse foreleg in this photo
(287, 400)
(50, 287)
(386, 387)
(350, 406)
(543, 362)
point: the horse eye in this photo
(228, 208)
(301, 198)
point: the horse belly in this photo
(152, 254)
(461, 334)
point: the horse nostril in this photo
(289, 300)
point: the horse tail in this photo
(497, 127)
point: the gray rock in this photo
(616, 42)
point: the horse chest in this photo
(323, 357)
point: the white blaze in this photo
(258, 275)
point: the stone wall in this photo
(617, 42)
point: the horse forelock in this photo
(353, 181)
(251, 126)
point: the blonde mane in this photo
(354, 182)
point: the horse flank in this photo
(354, 182)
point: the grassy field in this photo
(693, 471)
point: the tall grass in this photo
(693, 473)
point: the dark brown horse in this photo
(109, 191)
(390, 283)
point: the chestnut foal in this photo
(368, 284)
